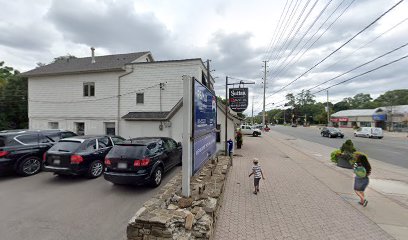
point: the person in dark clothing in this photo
(362, 169)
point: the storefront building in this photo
(393, 118)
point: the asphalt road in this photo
(393, 150)
(48, 207)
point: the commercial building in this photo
(393, 118)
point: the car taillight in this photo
(141, 163)
(3, 153)
(108, 161)
(45, 157)
(76, 159)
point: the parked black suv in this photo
(22, 150)
(331, 132)
(142, 160)
(81, 155)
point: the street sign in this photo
(238, 99)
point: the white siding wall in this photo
(92, 126)
(230, 130)
(151, 128)
(149, 76)
(62, 96)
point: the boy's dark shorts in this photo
(256, 181)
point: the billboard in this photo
(204, 125)
(238, 99)
(204, 148)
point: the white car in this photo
(370, 132)
(250, 130)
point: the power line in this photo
(362, 46)
(317, 39)
(364, 73)
(341, 46)
(96, 99)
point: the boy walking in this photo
(257, 172)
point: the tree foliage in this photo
(13, 99)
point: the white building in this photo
(126, 94)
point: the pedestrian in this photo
(257, 172)
(362, 169)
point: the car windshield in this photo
(334, 130)
(128, 151)
(65, 146)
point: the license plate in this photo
(57, 161)
(122, 165)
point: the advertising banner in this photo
(204, 148)
(204, 125)
(238, 99)
(205, 110)
(380, 117)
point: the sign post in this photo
(187, 135)
(238, 99)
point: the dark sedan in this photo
(331, 132)
(142, 160)
(21, 150)
(82, 155)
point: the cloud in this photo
(112, 25)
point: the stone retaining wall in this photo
(169, 216)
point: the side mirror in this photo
(179, 144)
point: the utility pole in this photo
(328, 109)
(226, 116)
(264, 89)
(252, 110)
(208, 73)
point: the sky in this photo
(305, 42)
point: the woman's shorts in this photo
(360, 184)
(256, 181)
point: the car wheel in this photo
(330, 136)
(341, 136)
(29, 166)
(254, 134)
(95, 169)
(156, 177)
(321, 134)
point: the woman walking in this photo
(362, 169)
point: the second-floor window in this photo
(139, 98)
(89, 89)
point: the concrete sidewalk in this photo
(296, 201)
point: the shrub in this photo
(348, 147)
(334, 155)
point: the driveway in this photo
(48, 207)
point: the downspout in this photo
(118, 110)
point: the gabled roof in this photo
(84, 65)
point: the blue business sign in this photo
(380, 117)
(204, 126)
(205, 110)
(204, 148)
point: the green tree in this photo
(394, 97)
(13, 99)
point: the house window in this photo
(80, 128)
(53, 125)
(110, 128)
(139, 98)
(89, 89)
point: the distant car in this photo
(140, 161)
(22, 150)
(81, 155)
(294, 125)
(250, 130)
(331, 132)
(369, 132)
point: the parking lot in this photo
(45, 206)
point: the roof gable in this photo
(83, 65)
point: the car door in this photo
(170, 150)
(104, 146)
